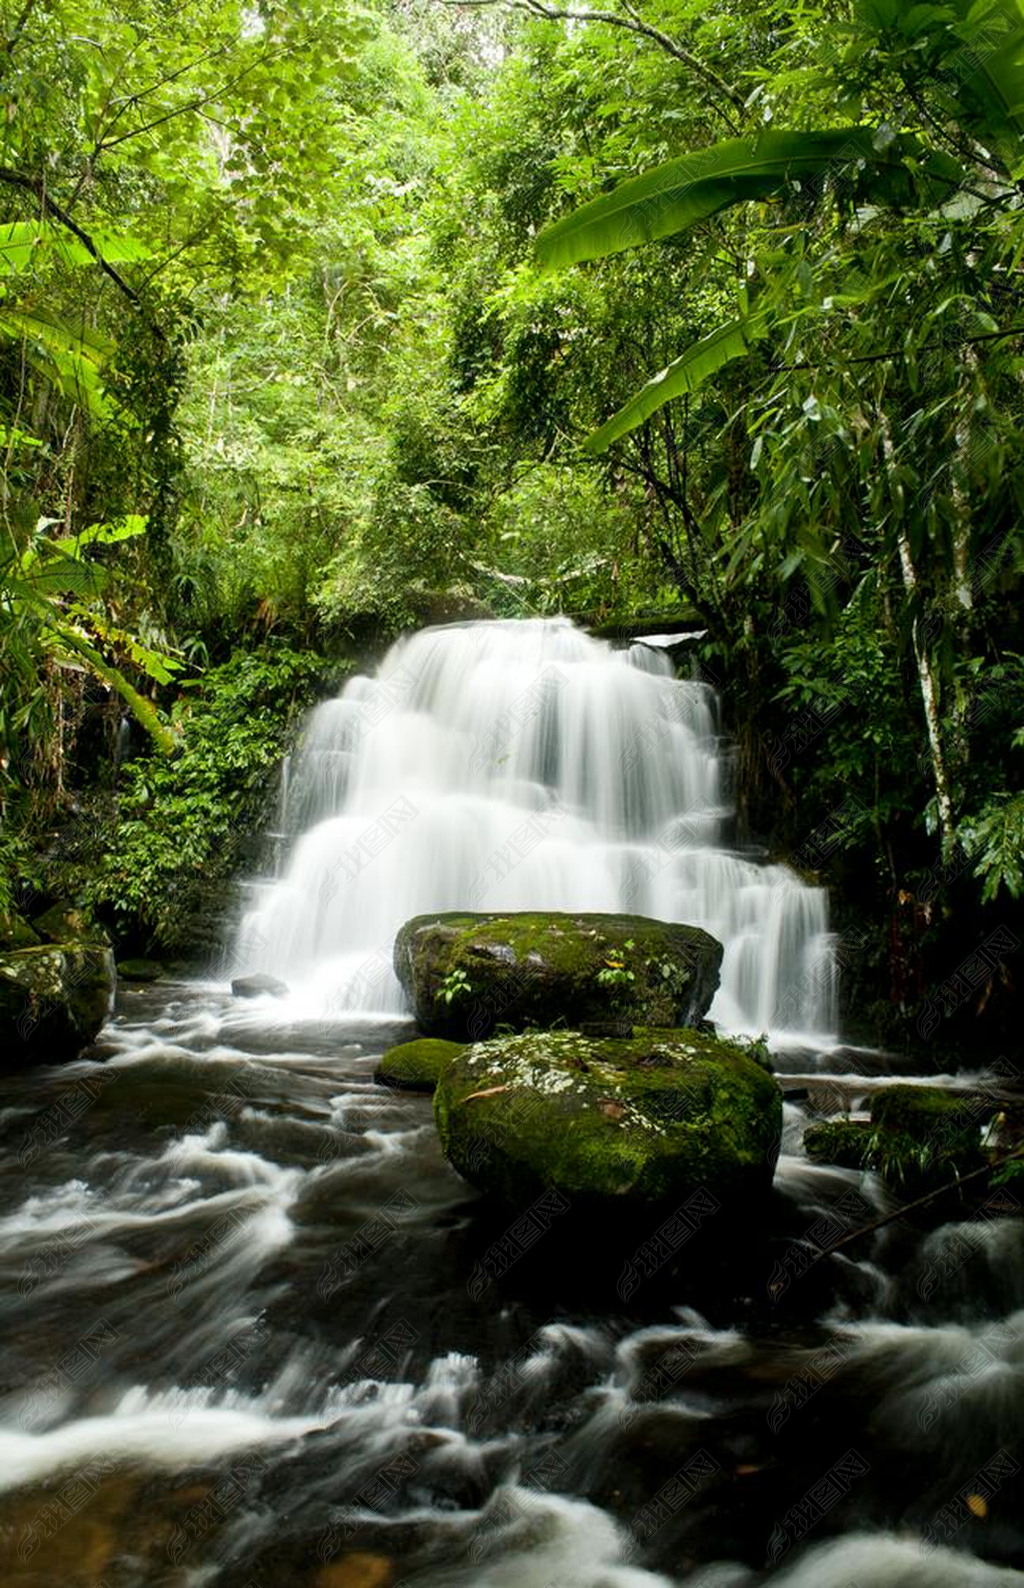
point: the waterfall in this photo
(525, 765)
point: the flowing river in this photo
(260, 1335)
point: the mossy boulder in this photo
(467, 974)
(610, 1124)
(53, 1001)
(67, 923)
(139, 970)
(844, 1142)
(929, 1112)
(919, 1139)
(417, 1066)
(15, 932)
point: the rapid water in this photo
(257, 1335)
(525, 765)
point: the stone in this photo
(844, 1142)
(142, 970)
(919, 1139)
(928, 1112)
(66, 923)
(15, 932)
(468, 974)
(613, 1123)
(53, 1001)
(416, 1066)
(258, 986)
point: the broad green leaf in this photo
(28, 243)
(13, 437)
(126, 528)
(74, 358)
(684, 374)
(142, 710)
(685, 191)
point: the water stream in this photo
(256, 1332)
(525, 765)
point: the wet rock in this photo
(919, 1139)
(927, 1112)
(843, 1142)
(143, 970)
(257, 986)
(467, 974)
(15, 932)
(610, 1123)
(358, 1570)
(67, 923)
(416, 1066)
(53, 1001)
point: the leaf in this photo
(985, 70)
(74, 358)
(56, 575)
(685, 191)
(144, 712)
(126, 528)
(24, 244)
(684, 374)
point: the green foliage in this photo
(684, 192)
(455, 985)
(994, 840)
(182, 825)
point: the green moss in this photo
(543, 969)
(139, 969)
(649, 1119)
(920, 1138)
(15, 932)
(53, 1000)
(924, 1112)
(416, 1066)
(845, 1142)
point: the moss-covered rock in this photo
(467, 974)
(844, 1142)
(53, 1001)
(140, 970)
(67, 923)
(929, 1112)
(610, 1124)
(920, 1138)
(417, 1066)
(15, 932)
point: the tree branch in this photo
(631, 23)
(10, 43)
(36, 186)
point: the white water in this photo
(525, 765)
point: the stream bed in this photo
(260, 1335)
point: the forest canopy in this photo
(319, 322)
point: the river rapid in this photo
(259, 1333)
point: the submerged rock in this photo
(639, 1123)
(467, 974)
(53, 1001)
(417, 1066)
(257, 986)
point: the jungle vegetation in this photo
(319, 321)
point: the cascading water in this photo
(525, 765)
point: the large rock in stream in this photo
(467, 974)
(53, 1001)
(611, 1125)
